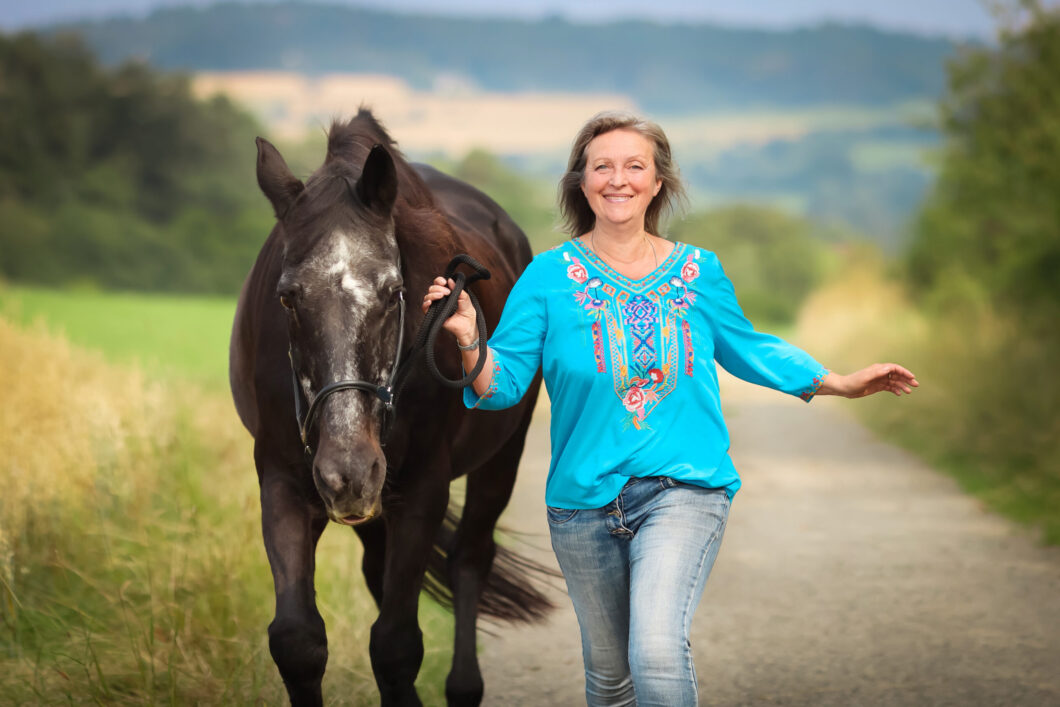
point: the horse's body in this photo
(323, 298)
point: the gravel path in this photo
(850, 574)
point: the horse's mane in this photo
(416, 216)
(349, 143)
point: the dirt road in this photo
(850, 574)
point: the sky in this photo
(954, 18)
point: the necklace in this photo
(654, 255)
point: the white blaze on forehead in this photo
(349, 409)
(339, 253)
(356, 288)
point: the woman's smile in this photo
(620, 180)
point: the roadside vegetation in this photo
(973, 307)
(131, 564)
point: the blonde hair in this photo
(577, 216)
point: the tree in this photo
(993, 218)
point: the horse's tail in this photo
(512, 591)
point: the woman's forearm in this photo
(469, 358)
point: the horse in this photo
(324, 303)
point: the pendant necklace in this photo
(654, 255)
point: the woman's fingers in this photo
(443, 288)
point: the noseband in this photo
(436, 315)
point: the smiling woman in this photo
(626, 327)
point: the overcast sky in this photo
(950, 17)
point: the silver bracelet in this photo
(470, 347)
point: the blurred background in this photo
(879, 179)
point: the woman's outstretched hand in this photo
(462, 323)
(877, 378)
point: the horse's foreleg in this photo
(373, 539)
(396, 645)
(291, 527)
(470, 560)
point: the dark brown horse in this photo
(324, 299)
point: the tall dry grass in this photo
(988, 409)
(131, 564)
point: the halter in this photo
(384, 392)
(436, 315)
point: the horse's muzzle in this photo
(352, 519)
(350, 485)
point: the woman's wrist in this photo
(833, 384)
(467, 340)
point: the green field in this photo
(165, 335)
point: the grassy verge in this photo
(987, 409)
(131, 563)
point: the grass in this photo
(131, 564)
(986, 411)
(164, 335)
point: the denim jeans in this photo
(635, 571)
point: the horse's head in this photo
(340, 289)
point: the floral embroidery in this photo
(576, 271)
(589, 297)
(644, 341)
(818, 381)
(690, 270)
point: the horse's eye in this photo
(396, 296)
(286, 302)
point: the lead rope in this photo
(439, 311)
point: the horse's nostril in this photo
(331, 477)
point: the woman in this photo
(626, 327)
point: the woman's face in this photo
(620, 180)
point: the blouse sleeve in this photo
(516, 346)
(754, 356)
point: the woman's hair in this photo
(577, 216)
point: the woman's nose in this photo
(618, 178)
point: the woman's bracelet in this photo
(470, 347)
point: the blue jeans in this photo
(635, 570)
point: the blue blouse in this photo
(629, 368)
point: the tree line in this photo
(678, 67)
(119, 177)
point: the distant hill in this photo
(666, 68)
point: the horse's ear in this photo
(377, 187)
(275, 178)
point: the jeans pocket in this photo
(559, 516)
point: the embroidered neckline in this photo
(641, 285)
